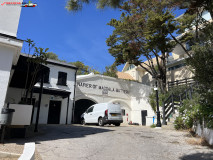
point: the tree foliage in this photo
(193, 6)
(111, 71)
(39, 57)
(141, 34)
(84, 69)
(202, 65)
(76, 5)
(51, 55)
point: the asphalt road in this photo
(78, 142)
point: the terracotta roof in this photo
(123, 75)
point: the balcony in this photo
(171, 60)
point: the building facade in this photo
(57, 96)
(132, 96)
(176, 67)
(10, 46)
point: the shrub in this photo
(153, 126)
(179, 123)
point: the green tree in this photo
(111, 70)
(39, 57)
(84, 69)
(141, 34)
(202, 67)
(51, 55)
(193, 6)
(76, 5)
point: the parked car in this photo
(103, 113)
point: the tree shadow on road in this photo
(56, 132)
(198, 156)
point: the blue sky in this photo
(73, 37)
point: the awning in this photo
(52, 91)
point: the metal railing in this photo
(186, 81)
(173, 101)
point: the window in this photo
(176, 67)
(62, 78)
(131, 66)
(46, 77)
(90, 109)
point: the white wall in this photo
(139, 101)
(22, 114)
(204, 132)
(133, 101)
(10, 15)
(7, 56)
(14, 95)
(44, 110)
(53, 79)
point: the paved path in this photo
(116, 143)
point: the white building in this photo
(10, 46)
(58, 92)
(58, 99)
(176, 67)
(132, 96)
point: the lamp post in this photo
(157, 102)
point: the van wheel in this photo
(117, 124)
(100, 122)
(83, 122)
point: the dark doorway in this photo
(143, 116)
(54, 112)
(80, 107)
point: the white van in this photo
(103, 113)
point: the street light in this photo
(157, 102)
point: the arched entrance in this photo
(80, 107)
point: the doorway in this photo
(80, 107)
(54, 112)
(143, 117)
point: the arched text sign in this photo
(104, 88)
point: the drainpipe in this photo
(73, 105)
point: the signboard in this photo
(103, 88)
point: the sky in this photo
(72, 36)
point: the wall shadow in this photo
(197, 156)
(56, 132)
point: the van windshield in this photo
(90, 109)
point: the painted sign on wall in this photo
(93, 86)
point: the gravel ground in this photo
(113, 143)
(15, 148)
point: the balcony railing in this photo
(186, 81)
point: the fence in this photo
(187, 81)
